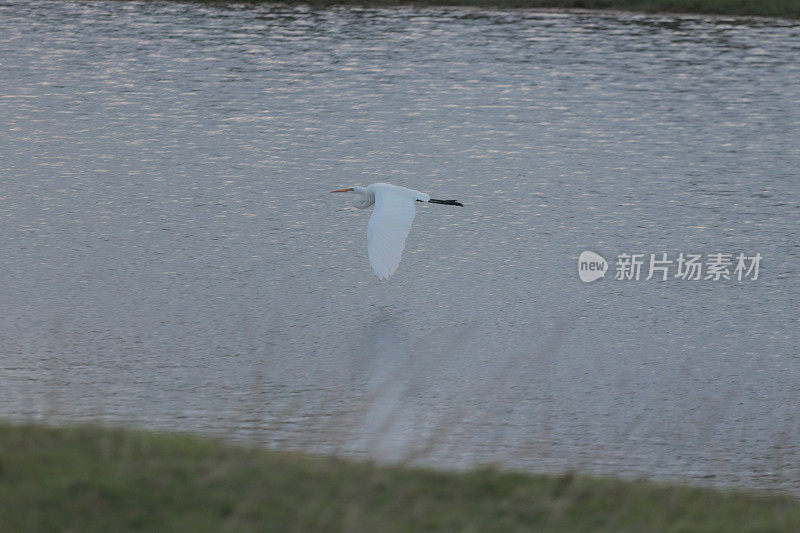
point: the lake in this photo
(171, 256)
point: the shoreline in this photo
(745, 9)
(93, 478)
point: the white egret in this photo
(390, 222)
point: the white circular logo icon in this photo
(591, 266)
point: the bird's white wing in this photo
(387, 230)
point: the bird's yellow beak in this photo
(343, 190)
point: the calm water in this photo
(171, 257)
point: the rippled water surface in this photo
(171, 256)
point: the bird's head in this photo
(364, 199)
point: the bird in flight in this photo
(390, 222)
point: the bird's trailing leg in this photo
(445, 202)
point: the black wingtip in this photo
(446, 202)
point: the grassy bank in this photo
(92, 479)
(768, 8)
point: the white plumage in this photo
(390, 222)
(389, 225)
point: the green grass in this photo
(764, 8)
(93, 479)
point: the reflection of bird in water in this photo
(385, 428)
(390, 222)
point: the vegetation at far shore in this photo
(761, 8)
(87, 478)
